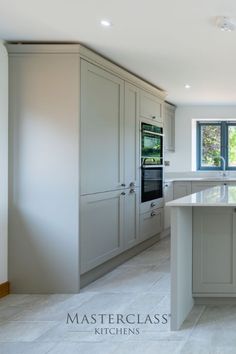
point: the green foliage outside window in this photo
(216, 140)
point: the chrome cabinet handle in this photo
(122, 193)
(132, 184)
(132, 190)
(153, 213)
(153, 204)
(123, 184)
(154, 117)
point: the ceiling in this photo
(169, 43)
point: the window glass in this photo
(210, 149)
(232, 145)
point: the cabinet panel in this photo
(169, 128)
(181, 189)
(168, 196)
(214, 247)
(131, 154)
(102, 106)
(200, 186)
(151, 223)
(150, 107)
(131, 219)
(101, 228)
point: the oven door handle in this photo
(152, 133)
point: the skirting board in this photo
(108, 266)
(4, 289)
(215, 301)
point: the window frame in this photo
(223, 146)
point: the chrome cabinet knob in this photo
(154, 117)
(153, 213)
(132, 184)
(132, 190)
(123, 193)
(153, 204)
(123, 184)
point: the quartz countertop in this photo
(201, 179)
(214, 196)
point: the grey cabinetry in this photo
(214, 249)
(181, 189)
(169, 127)
(109, 166)
(200, 186)
(151, 107)
(131, 218)
(131, 136)
(102, 124)
(168, 196)
(101, 228)
(151, 223)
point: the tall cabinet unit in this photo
(43, 169)
(74, 163)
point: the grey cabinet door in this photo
(169, 127)
(151, 223)
(168, 196)
(214, 249)
(151, 107)
(181, 189)
(131, 218)
(102, 130)
(131, 150)
(200, 186)
(101, 228)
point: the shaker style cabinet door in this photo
(151, 107)
(151, 223)
(169, 127)
(214, 249)
(168, 196)
(132, 158)
(131, 218)
(181, 189)
(102, 126)
(101, 228)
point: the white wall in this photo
(3, 161)
(181, 159)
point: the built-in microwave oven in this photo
(151, 145)
(151, 162)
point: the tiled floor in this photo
(36, 324)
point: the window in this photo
(216, 139)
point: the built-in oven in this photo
(151, 162)
(152, 183)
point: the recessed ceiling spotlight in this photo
(187, 86)
(105, 23)
(226, 24)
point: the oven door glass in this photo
(152, 183)
(152, 145)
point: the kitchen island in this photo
(203, 250)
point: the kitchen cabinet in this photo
(181, 189)
(101, 227)
(169, 127)
(200, 186)
(131, 133)
(74, 119)
(109, 225)
(131, 218)
(151, 107)
(102, 124)
(151, 223)
(214, 249)
(168, 196)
